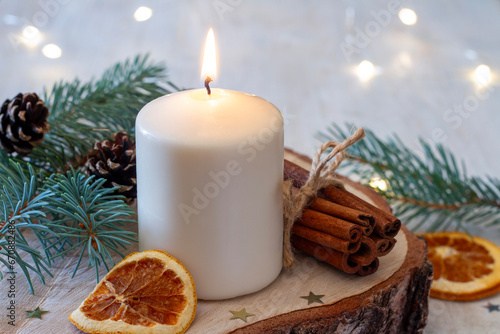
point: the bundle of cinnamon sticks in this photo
(341, 229)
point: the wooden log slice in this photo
(396, 305)
(392, 300)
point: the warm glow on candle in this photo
(209, 67)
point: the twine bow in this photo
(322, 175)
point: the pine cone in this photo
(114, 160)
(23, 123)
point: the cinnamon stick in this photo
(343, 212)
(366, 253)
(365, 221)
(341, 229)
(332, 257)
(390, 246)
(330, 225)
(295, 174)
(386, 225)
(320, 238)
(369, 269)
(380, 243)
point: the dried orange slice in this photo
(147, 292)
(465, 268)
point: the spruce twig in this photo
(44, 192)
(83, 113)
(66, 212)
(432, 192)
(93, 219)
(21, 207)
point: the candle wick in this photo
(207, 81)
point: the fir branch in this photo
(83, 113)
(432, 192)
(65, 212)
(70, 212)
(89, 219)
(21, 207)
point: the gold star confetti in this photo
(312, 298)
(37, 313)
(492, 307)
(241, 314)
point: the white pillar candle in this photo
(209, 176)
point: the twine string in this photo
(322, 175)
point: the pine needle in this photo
(46, 193)
(430, 193)
(83, 113)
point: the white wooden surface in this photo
(289, 53)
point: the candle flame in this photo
(209, 67)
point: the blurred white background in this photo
(293, 53)
(304, 57)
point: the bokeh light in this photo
(378, 184)
(31, 35)
(143, 14)
(482, 75)
(408, 16)
(51, 51)
(365, 70)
